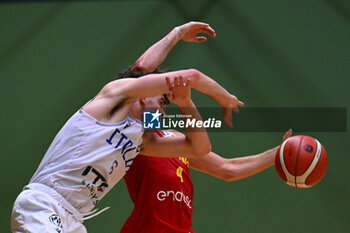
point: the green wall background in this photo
(56, 55)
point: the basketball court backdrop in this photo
(56, 55)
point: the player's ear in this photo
(142, 101)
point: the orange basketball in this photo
(301, 161)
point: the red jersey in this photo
(162, 191)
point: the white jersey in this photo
(87, 158)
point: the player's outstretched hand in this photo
(180, 91)
(231, 104)
(287, 134)
(188, 32)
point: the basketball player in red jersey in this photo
(161, 188)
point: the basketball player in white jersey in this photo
(96, 146)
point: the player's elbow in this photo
(141, 66)
(230, 173)
(200, 151)
(114, 91)
(228, 177)
(109, 90)
(193, 74)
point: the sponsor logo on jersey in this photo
(94, 182)
(174, 196)
(56, 220)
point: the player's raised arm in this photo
(121, 92)
(235, 168)
(194, 143)
(155, 55)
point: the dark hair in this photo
(127, 73)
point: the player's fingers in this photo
(236, 109)
(170, 96)
(187, 83)
(169, 84)
(199, 23)
(196, 25)
(227, 116)
(208, 30)
(181, 81)
(229, 123)
(240, 103)
(287, 134)
(176, 81)
(201, 39)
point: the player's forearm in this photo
(156, 54)
(155, 84)
(208, 86)
(196, 136)
(239, 168)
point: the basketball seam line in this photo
(286, 172)
(318, 145)
(284, 161)
(311, 162)
(296, 162)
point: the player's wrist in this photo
(176, 34)
(223, 100)
(186, 104)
